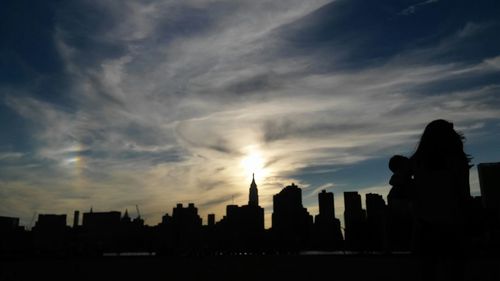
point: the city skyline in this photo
(376, 227)
(240, 230)
(252, 196)
(253, 200)
(151, 103)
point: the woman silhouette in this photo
(441, 196)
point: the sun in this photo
(253, 162)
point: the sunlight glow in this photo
(253, 162)
(75, 160)
(75, 165)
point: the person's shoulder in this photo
(393, 180)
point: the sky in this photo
(113, 104)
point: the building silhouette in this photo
(8, 224)
(327, 232)
(76, 219)
(186, 224)
(50, 234)
(211, 220)
(126, 218)
(291, 222)
(241, 231)
(101, 221)
(100, 230)
(186, 217)
(326, 205)
(489, 184)
(253, 195)
(14, 239)
(242, 228)
(132, 235)
(50, 222)
(355, 222)
(179, 233)
(376, 219)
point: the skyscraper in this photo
(375, 205)
(101, 221)
(8, 224)
(355, 221)
(243, 226)
(253, 196)
(49, 233)
(326, 205)
(292, 222)
(376, 217)
(186, 226)
(327, 233)
(186, 218)
(51, 222)
(76, 219)
(211, 219)
(489, 184)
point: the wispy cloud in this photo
(164, 99)
(413, 8)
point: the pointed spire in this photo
(253, 197)
(253, 181)
(126, 217)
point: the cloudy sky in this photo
(116, 103)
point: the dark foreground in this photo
(299, 267)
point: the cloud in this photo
(413, 8)
(10, 155)
(163, 100)
(355, 34)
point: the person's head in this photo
(439, 142)
(399, 164)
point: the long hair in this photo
(439, 144)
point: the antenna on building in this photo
(232, 199)
(32, 219)
(138, 213)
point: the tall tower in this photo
(489, 184)
(326, 205)
(355, 220)
(291, 221)
(253, 198)
(76, 219)
(328, 235)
